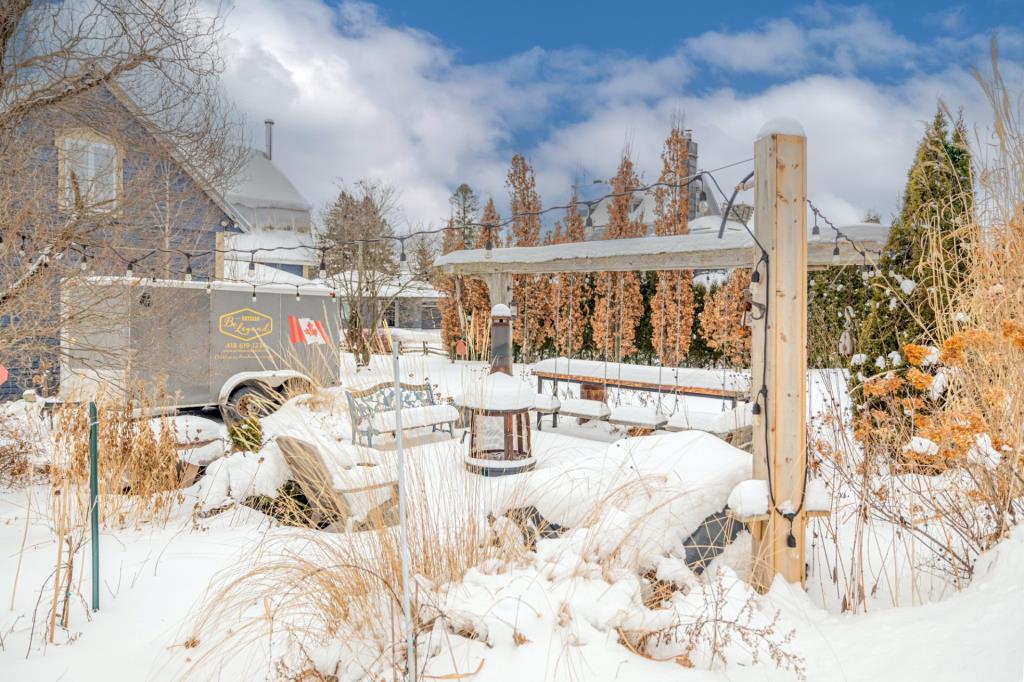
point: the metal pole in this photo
(403, 536)
(94, 509)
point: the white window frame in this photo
(64, 189)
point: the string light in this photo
(401, 245)
(298, 295)
(489, 244)
(21, 249)
(209, 287)
(816, 231)
(253, 293)
(835, 253)
(323, 264)
(83, 265)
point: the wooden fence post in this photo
(779, 350)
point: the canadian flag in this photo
(305, 329)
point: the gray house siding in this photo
(178, 214)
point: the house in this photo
(276, 233)
(105, 193)
(642, 204)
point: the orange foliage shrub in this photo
(722, 319)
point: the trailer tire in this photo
(251, 402)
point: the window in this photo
(390, 314)
(430, 317)
(290, 268)
(90, 163)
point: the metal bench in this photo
(372, 411)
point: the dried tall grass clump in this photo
(323, 602)
(944, 436)
(137, 465)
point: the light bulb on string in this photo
(130, 272)
(298, 294)
(401, 245)
(21, 249)
(252, 264)
(188, 268)
(253, 293)
(835, 253)
(209, 288)
(323, 264)
(83, 265)
(816, 231)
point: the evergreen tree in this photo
(465, 211)
(451, 304)
(937, 199)
(836, 303)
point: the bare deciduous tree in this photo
(114, 135)
(362, 255)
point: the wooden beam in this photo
(779, 351)
(701, 251)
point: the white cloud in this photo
(356, 98)
(780, 47)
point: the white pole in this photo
(403, 537)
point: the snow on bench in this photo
(712, 422)
(546, 404)
(636, 415)
(372, 410)
(585, 409)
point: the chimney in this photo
(269, 123)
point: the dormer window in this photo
(90, 168)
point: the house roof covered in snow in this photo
(272, 246)
(404, 285)
(267, 198)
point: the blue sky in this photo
(487, 31)
(426, 95)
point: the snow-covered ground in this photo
(572, 610)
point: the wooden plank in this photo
(641, 254)
(780, 353)
(642, 385)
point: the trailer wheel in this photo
(249, 402)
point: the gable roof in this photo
(201, 181)
(261, 184)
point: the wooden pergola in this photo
(779, 337)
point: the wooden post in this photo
(779, 350)
(218, 256)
